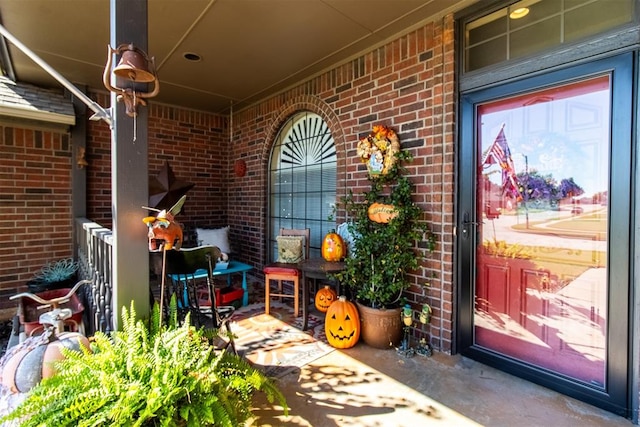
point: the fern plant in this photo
(148, 376)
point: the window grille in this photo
(528, 27)
(302, 180)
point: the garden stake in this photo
(164, 262)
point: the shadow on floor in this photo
(369, 387)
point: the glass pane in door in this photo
(542, 196)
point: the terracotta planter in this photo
(380, 328)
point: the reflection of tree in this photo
(568, 188)
(544, 188)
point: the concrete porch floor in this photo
(363, 386)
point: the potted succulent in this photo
(54, 275)
(386, 226)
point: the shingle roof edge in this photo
(26, 101)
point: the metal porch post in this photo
(129, 180)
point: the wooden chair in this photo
(182, 267)
(281, 272)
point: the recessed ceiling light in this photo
(518, 13)
(190, 56)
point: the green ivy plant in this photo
(383, 254)
(165, 375)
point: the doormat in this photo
(273, 342)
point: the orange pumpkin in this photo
(382, 213)
(26, 364)
(342, 324)
(332, 247)
(325, 297)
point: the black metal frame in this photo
(617, 394)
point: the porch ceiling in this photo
(250, 49)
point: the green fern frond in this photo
(172, 318)
(147, 374)
(154, 320)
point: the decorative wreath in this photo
(378, 150)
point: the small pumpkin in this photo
(333, 248)
(382, 213)
(342, 324)
(325, 297)
(26, 364)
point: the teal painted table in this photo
(234, 267)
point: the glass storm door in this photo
(546, 223)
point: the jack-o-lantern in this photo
(332, 247)
(342, 324)
(324, 298)
(26, 364)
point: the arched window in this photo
(302, 180)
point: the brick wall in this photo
(192, 142)
(35, 204)
(407, 84)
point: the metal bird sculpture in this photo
(164, 231)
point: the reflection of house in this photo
(415, 81)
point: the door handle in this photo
(467, 224)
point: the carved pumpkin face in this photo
(324, 298)
(342, 324)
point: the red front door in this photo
(541, 285)
(544, 224)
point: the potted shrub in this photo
(157, 376)
(385, 225)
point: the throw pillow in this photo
(215, 237)
(290, 249)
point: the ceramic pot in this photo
(380, 328)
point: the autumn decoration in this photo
(382, 213)
(342, 324)
(333, 248)
(378, 150)
(324, 298)
(26, 364)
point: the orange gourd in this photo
(324, 298)
(342, 324)
(333, 247)
(382, 213)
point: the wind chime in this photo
(136, 67)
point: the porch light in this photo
(518, 13)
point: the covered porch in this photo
(362, 386)
(64, 199)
